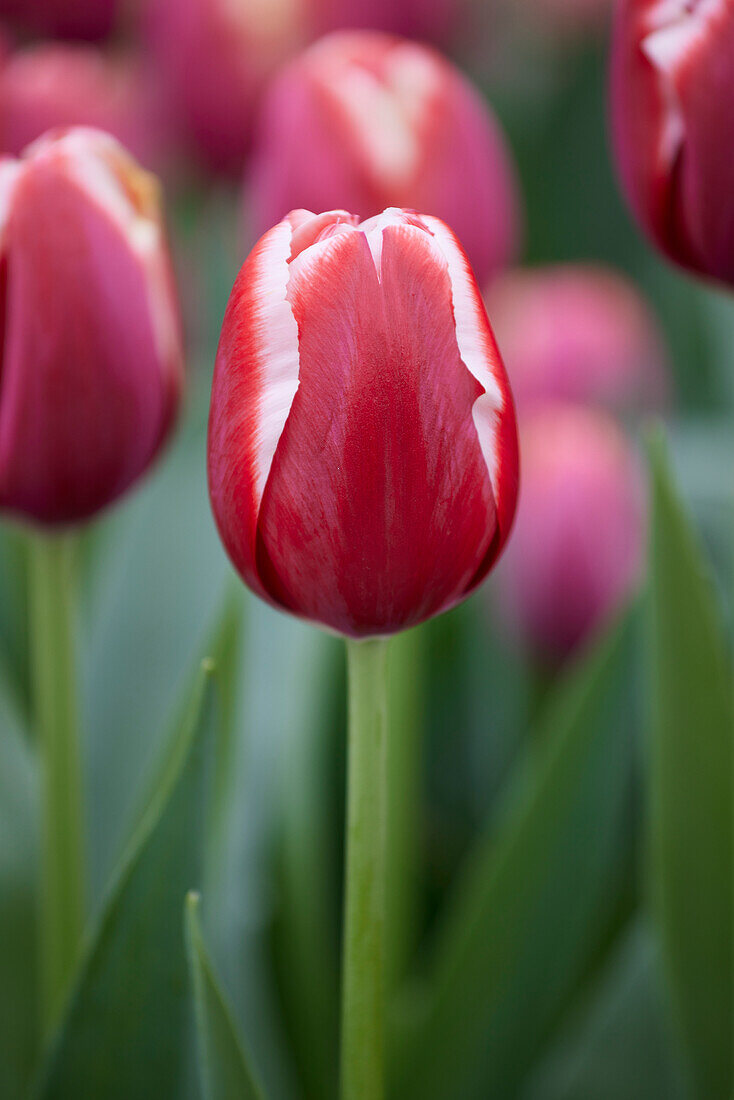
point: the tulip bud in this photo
(576, 551)
(213, 58)
(432, 20)
(577, 332)
(53, 85)
(362, 444)
(672, 86)
(85, 19)
(91, 368)
(365, 121)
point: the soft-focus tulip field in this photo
(366, 549)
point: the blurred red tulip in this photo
(213, 58)
(91, 369)
(362, 443)
(433, 20)
(672, 88)
(365, 121)
(53, 85)
(85, 19)
(577, 332)
(576, 551)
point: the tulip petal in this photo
(379, 458)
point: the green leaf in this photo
(18, 904)
(223, 1069)
(691, 788)
(123, 1034)
(535, 901)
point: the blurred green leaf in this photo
(618, 1043)
(223, 1069)
(19, 1012)
(534, 902)
(123, 1034)
(691, 788)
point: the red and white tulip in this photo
(364, 121)
(91, 362)
(363, 463)
(672, 88)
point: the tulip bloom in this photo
(362, 446)
(213, 58)
(577, 332)
(577, 548)
(365, 121)
(52, 85)
(92, 368)
(672, 87)
(422, 19)
(86, 19)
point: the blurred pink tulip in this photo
(91, 363)
(576, 551)
(54, 85)
(213, 58)
(672, 90)
(362, 121)
(578, 332)
(433, 20)
(85, 19)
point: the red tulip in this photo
(577, 332)
(673, 126)
(362, 445)
(52, 85)
(86, 19)
(365, 121)
(91, 367)
(213, 58)
(422, 19)
(576, 551)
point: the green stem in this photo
(55, 709)
(363, 992)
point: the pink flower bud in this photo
(576, 550)
(86, 19)
(362, 444)
(365, 121)
(54, 85)
(576, 332)
(91, 366)
(213, 58)
(672, 90)
(432, 20)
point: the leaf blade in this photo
(223, 1067)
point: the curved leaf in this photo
(223, 1068)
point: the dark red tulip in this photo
(672, 88)
(363, 459)
(91, 364)
(364, 121)
(85, 19)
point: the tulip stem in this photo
(363, 980)
(61, 921)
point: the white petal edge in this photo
(474, 349)
(277, 340)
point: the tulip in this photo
(52, 85)
(672, 85)
(578, 333)
(577, 549)
(85, 19)
(365, 121)
(213, 58)
(422, 19)
(362, 447)
(92, 367)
